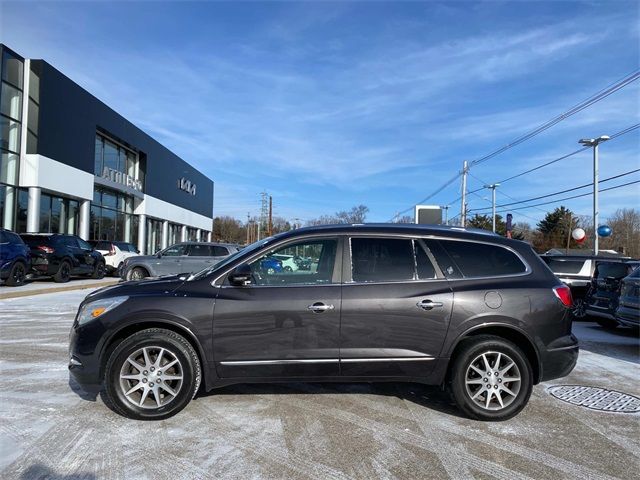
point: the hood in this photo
(157, 286)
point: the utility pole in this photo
(248, 219)
(446, 214)
(493, 187)
(594, 142)
(463, 208)
(270, 228)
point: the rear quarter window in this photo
(483, 260)
(220, 251)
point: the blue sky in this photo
(328, 105)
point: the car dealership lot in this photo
(50, 428)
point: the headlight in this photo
(93, 310)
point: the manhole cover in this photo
(596, 398)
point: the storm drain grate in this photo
(596, 398)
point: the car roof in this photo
(601, 258)
(448, 231)
(206, 243)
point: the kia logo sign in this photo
(187, 186)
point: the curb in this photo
(66, 288)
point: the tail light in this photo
(564, 295)
(45, 249)
(112, 250)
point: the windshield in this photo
(246, 251)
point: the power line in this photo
(560, 192)
(602, 94)
(572, 197)
(615, 135)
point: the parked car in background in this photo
(114, 253)
(60, 256)
(15, 258)
(601, 300)
(576, 271)
(628, 311)
(185, 257)
(474, 312)
(288, 262)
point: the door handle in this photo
(319, 307)
(428, 304)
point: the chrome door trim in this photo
(278, 362)
(386, 359)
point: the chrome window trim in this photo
(386, 359)
(350, 281)
(337, 237)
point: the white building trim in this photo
(154, 207)
(43, 172)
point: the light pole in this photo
(493, 187)
(594, 142)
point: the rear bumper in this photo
(559, 358)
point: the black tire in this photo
(472, 349)
(137, 273)
(607, 324)
(64, 272)
(578, 311)
(175, 347)
(118, 271)
(17, 275)
(99, 271)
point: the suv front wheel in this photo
(152, 375)
(491, 378)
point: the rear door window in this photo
(382, 259)
(200, 251)
(483, 260)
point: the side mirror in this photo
(241, 275)
(159, 255)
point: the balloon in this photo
(604, 231)
(581, 241)
(578, 235)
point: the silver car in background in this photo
(184, 257)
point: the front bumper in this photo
(559, 358)
(629, 317)
(84, 354)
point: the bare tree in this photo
(357, 214)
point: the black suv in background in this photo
(60, 256)
(470, 310)
(15, 259)
(601, 301)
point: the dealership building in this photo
(71, 164)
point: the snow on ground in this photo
(51, 429)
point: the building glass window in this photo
(11, 102)
(12, 69)
(154, 235)
(192, 234)
(112, 216)
(57, 214)
(175, 233)
(109, 154)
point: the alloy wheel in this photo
(151, 377)
(578, 309)
(19, 274)
(493, 380)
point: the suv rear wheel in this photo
(64, 272)
(153, 374)
(17, 275)
(99, 271)
(491, 378)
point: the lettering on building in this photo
(121, 178)
(187, 186)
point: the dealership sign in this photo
(187, 186)
(121, 178)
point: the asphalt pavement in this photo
(50, 428)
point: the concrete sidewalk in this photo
(40, 286)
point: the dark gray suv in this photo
(478, 313)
